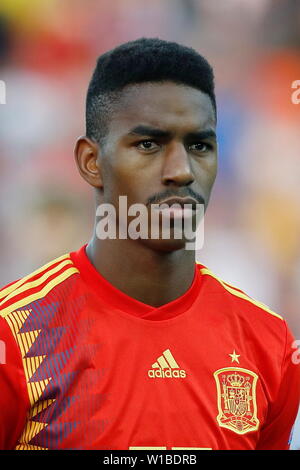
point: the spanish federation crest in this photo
(236, 390)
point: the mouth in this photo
(180, 201)
(177, 207)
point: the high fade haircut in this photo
(142, 60)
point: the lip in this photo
(181, 201)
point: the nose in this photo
(176, 167)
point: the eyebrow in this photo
(154, 132)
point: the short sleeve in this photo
(14, 400)
(276, 432)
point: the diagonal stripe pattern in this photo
(166, 361)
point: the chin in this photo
(164, 245)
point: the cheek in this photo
(212, 171)
(121, 176)
(206, 172)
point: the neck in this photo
(152, 277)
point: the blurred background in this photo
(48, 50)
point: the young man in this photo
(128, 343)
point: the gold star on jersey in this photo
(234, 357)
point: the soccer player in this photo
(128, 343)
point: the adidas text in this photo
(169, 373)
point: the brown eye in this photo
(200, 147)
(146, 145)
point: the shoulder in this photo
(36, 285)
(248, 320)
(243, 302)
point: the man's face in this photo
(161, 144)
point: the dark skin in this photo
(175, 151)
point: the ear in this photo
(86, 154)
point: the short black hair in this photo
(142, 60)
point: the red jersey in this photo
(85, 366)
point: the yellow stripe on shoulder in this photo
(6, 291)
(238, 293)
(40, 294)
(37, 282)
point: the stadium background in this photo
(47, 52)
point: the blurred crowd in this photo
(48, 49)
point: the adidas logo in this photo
(166, 366)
